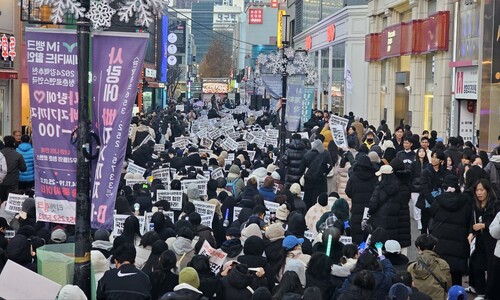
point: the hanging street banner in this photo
(273, 85)
(53, 86)
(116, 66)
(294, 96)
(307, 104)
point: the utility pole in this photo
(82, 224)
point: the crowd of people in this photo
(340, 226)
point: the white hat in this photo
(385, 169)
(392, 246)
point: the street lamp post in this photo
(284, 77)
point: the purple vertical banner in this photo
(294, 99)
(117, 60)
(52, 73)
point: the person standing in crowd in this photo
(402, 197)
(494, 282)
(15, 164)
(352, 137)
(407, 155)
(418, 165)
(431, 182)
(363, 175)
(431, 274)
(27, 178)
(316, 164)
(359, 129)
(397, 141)
(451, 213)
(126, 281)
(482, 259)
(292, 159)
(453, 151)
(17, 134)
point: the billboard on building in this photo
(215, 85)
(255, 16)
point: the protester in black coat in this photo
(318, 163)
(403, 198)
(252, 258)
(363, 175)
(451, 213)
(142, 155)
(384, 210)
(292, 159)
(234, 285)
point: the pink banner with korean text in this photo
(52, 73)
(116, 67)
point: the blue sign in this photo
(164, 52)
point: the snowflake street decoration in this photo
(289, 53)
(144, 9)
(312, 76)
(100, 14)
(61, 7)
(262, 59)
(276, 63)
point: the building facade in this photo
(335, 45)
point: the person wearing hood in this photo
(297, 227)
(336, 246)
(19, 251)
(363, 175)
(382, 210)
(232, 245)
(71, 292)
(451, 214)
(193, 192)
(183, 248)
(193, 157)
(340, 209)
(100, 264)
(403, 197)
(234, 178)
(26, 178)
(431, 274)
(296, 195)
(142, 156)
(275, 234)
(292, 159)
(237, 284)
(102, 243)
(253, 257)
(318, 163)
(201, 231)
(189, 282)
(316, 211)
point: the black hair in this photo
(367, 261)
(9, 141)
(319, 266)
(365, 280)
(403, 277)
(131, 228)
(349, 251)
(312, 293)
(149, 238)
(186, 232)
(126, 252)
(200, 263)
(487, 186)
(195, 219)
(426, 242)
(25, 138)
(122, 206)
(259, 209)
(167, 264)
(290, 283)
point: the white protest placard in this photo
(179, 107)
(250, 137)
(236, 212)
(36, 286)
(309, 235)
(208, 152)
(251, 154)
(119, 220)
(202, 133)
(242, 145)
(216, 257)
(200, 183)
(204, 208)
(159, 148)
(337, 127)
(230, 144)
(271, 206)
(163, 174)
(234, 135)
(260, 143)
(217, 173)
(344, 239)
(206, 143)
(135, 169)
(132, 182)
(272, 141)
(230, 156)
(304, 135)
(15, 202)
(214, 134)
(10, 234)
(273, 133)
(173, 197)
(206, 220)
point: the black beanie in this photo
(323, 199)
(253, 246)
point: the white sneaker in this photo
(419, 225)
(479, 297)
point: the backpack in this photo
(231, 186)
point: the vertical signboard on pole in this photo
(116, 66)
(52, 71)
(279, 33)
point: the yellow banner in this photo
(279, 34)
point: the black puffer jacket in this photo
(292, 160)
(451, 213)
(384, 209)
(403, 197)
(416, 171)
(360, 198)
(430, 181)
(234, 285)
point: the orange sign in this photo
(308, 42)
(330, 33)
(274, 3)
